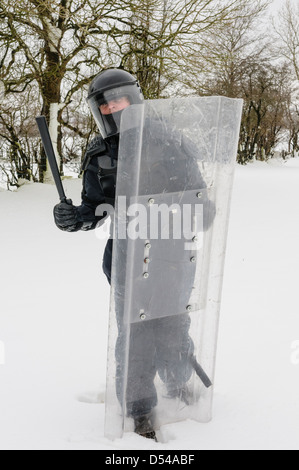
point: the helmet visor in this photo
(107, 107)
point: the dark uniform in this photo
(162, 345)
(99, 180)
(152, 346)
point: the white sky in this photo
(276, 5)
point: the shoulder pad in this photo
(94, 148)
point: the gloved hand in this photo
(65, 216)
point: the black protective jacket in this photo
(160, 174)
(99, 179)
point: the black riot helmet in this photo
(109, 93)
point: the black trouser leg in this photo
(162, 345)
(174, 348)
(141, 395)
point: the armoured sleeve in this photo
(92, 194)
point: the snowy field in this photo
(54, 321)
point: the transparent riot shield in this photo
(175, 174)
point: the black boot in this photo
(144, 427)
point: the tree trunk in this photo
(51, 89)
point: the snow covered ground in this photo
(54, 320)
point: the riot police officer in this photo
(110, 93)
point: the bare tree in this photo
(234, 62)
(266, 90)
(57, 47)
(163, 39)
(291, 125)
(19, 145)
(287, 31)
(219, 60)
(286, 46)
(61, 45)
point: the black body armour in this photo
(107, 177)
(101, 158)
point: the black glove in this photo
(66, 218)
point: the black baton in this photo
(48, 146)
(200, 372)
